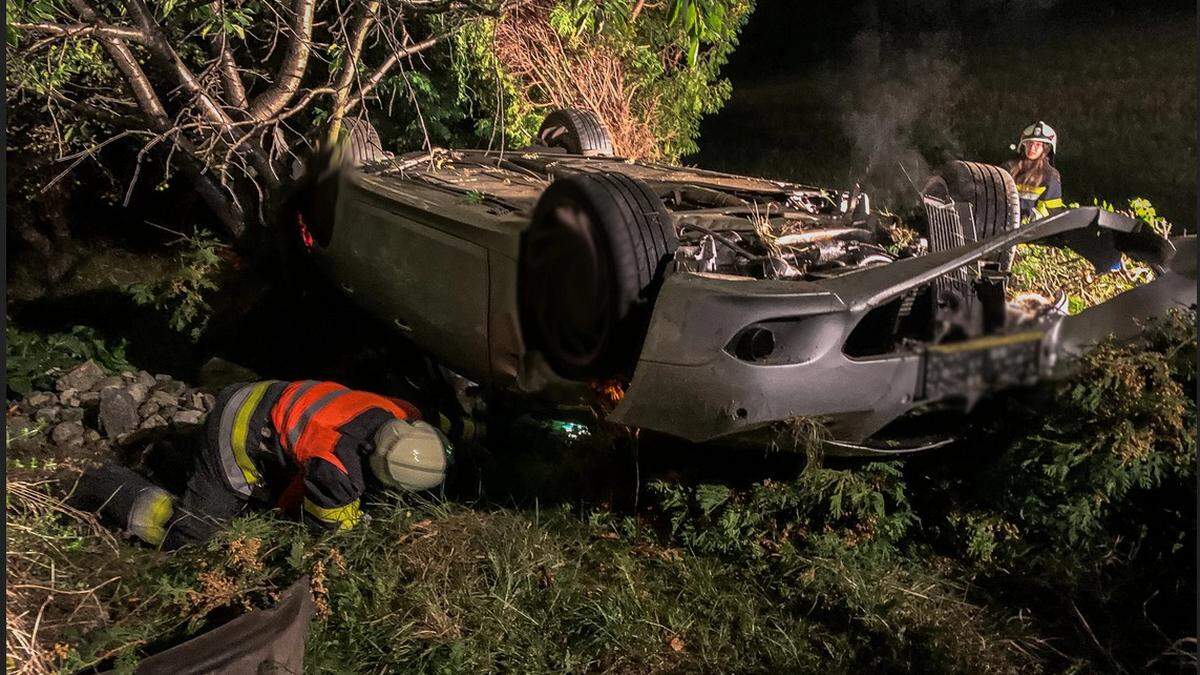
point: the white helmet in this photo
(409, 455)
(1039, 131)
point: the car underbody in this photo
(778, 300)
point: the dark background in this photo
(833, 94)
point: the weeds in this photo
(184, 292)
(1048, 270)
(33, 360)
(1058, 537)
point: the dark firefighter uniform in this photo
(1039, 197)
(297, 446)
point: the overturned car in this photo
(710, 306)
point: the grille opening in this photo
(876, 333)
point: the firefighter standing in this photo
(305, 447)
(1038, 182)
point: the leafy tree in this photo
(227, 93)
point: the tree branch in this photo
(82, 30)
(382, 71)
(342, 89)
(291, 70)
(220, 201)
(231, 79)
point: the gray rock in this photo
(19, 426)
(49, 414)
(69, 397)
(89, 399)
(154, 421)
(161, 377)
(40, 399)
(187, 417)
(108, 383)
(137, 391)
(201, 401)
(146, 378)
(91, 435)
(81, 378)
(71, 415)
(163, 398)
(173, 387)
(118, 412)
(67, 433)
(148, 408)
(128, 376)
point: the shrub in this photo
(650, 71)
(183, 293)
(33, 360)
(1049, 270)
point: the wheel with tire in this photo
(589, 267)
(992, 195)
(579, 132)
(360, 143)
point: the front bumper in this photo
(688, 384)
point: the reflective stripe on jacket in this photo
(1041, 199)
(240, 433)
(322, 427)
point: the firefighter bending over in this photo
(298, 446)
(1038, 182)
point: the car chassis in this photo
(735, 343)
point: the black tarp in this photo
(262, 641)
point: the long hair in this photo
(1030, 171)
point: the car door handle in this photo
(401, 325)
(349, 289)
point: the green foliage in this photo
(671, 55)
(823, 508)
(1049, 270)
(1084, 478)
(1089, 502)
(184, 291)
(33, 360)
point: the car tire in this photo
(579, 132)
(992, 194)
(590, 264)
(361, 143)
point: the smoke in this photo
(897, 108)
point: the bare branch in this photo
(291, 70)
(366, 19)
(220, 201)
(231, 79)
(382, 71)
(82, 30)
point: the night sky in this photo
(836, 93)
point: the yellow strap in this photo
(1036, 190)
(241, 429)
(345, 517)
(990, 342)
(1051, 204)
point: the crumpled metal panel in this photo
(687, 385)
(262, 641)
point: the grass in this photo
(444, 588)
(1058, 547)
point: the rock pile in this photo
(91, 406)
